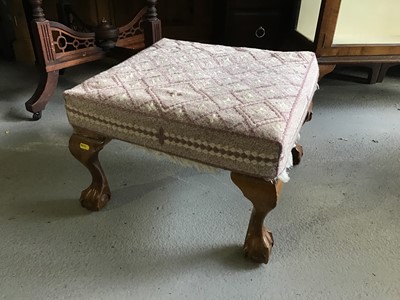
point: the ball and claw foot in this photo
(259, 248)
(85, 147)
(95, 199)
(37, 116)
(263, 194)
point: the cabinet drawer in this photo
(253, 29)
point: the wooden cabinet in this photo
(365, 32)
(254, 23)
(187, 19)
(251, 23)
(181, 19)
(7, 32)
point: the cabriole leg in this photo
(85, 147)
(264, 195)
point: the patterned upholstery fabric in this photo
(239, 109)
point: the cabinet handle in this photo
(260, 32)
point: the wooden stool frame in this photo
(85, 146)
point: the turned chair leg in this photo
(85, 147)
(264, 195)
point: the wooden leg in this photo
(264, 195)
(297, 150)
(309, 113)
(325, 70)
(85, 147)
(383, 71)
(45, 89)
(297, 153)
(374, 72)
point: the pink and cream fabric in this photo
(239, 109)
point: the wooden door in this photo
(326, 29)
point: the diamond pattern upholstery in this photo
(235, 108)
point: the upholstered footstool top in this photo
(239, 109)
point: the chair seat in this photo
(234, 108)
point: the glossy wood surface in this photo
(57, 46)
(263, 195)
(85, 147)
(379, 57)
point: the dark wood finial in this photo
(37, 10)
(151, 24)
(151, 10)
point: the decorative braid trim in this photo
(235, 154)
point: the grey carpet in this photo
(175, 233)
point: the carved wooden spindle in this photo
(86, 149)
(106, 35)
(37, 10)
(151, 10)
(264, 195)
(151, 24)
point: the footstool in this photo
(238, 109)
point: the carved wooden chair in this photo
(58, 47)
